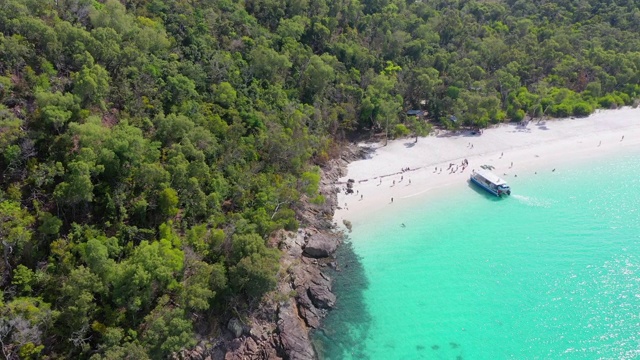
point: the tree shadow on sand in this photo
(459, 133)
(542, 125)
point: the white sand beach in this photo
(514, 150)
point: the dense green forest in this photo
(148, 148)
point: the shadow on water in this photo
(345, 329)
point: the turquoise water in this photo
(551, 272)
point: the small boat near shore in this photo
(490, 182)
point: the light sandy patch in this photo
(380, 182)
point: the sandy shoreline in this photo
(540, 146)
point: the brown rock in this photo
(235, 326)
(250, 346)
(302, 258)
(293, 333)
(322, 297)
(321, 245)
(307, 311)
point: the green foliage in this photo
(77, 299)
(400, 130)
(224, 94)
(10, 128)
(255, 274)
(23, 278)
(23, 321)
(168, 201)
(517, 115)
(318, 200)
(91, 84)
(202, 283)
(267, 64)
(50, 225)
(256, 265)
(310, 181)
(56, 108)
(30, 350)
(167, 330)
(15, 230)
(245, 245)
(147, 148)
(582, 109)
(78, 186)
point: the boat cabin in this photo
(490, 182)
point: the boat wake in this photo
(533, 202)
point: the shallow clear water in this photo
(551, 272)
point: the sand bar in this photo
(511, 148)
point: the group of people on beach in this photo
(453, 168)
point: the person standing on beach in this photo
(392, 200)
(622, 138)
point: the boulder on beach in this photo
(321, 245)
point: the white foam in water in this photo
(533, 201)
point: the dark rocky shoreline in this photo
(280, 328)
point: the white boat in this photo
(490, 182)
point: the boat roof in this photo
(491, 177)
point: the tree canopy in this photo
(148, 148)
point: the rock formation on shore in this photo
(279, 329)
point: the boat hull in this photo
(488, 189)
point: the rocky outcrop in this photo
(320, 293)
(321, 245)
(235, 327)
(202, 351)
(294, 334)
(259, 341)
(280, 327)
(313, 291)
